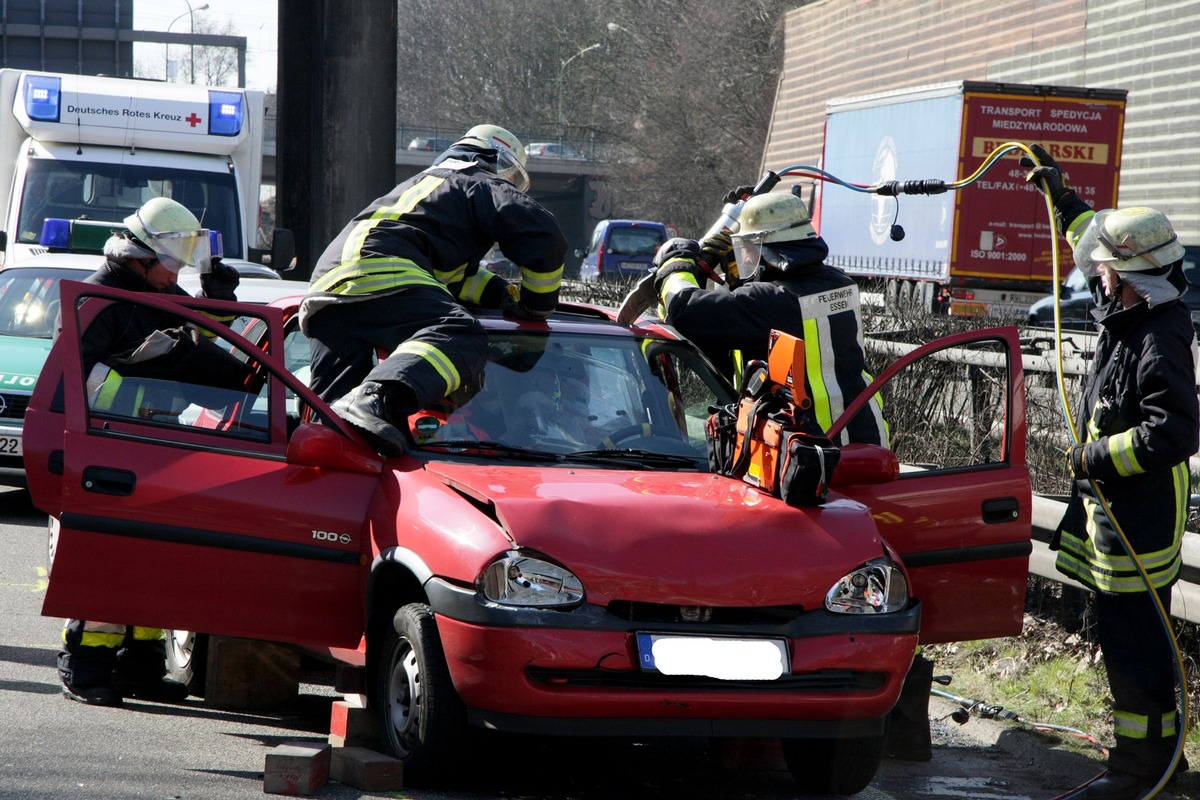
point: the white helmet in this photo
(173, 233)
(1132, 239)
(510, 154)
(767, 218)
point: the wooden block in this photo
(367, 770)
(246, 674)
(350, 724)
(297, 768)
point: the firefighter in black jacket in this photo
(785, 286)
(394, 279)
(1140, 425)
(101, 662)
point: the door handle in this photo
(106, 480)
(1000, 509)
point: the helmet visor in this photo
(512, 170)
(178, 249)
(747, 251)
(1084, 252)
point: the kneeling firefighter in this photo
(1142, 425)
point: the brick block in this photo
(250, 675)
(351, 725)
(367, 770)
(297, 768)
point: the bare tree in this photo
(206, 65)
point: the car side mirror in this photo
(322, 446)
(863, 464)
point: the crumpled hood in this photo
(672, 537)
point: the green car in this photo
(28, 311)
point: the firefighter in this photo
(102, 662)
(786, 286)
(1141, 426)
(397, 274)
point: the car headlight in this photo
(517, 579)
(877, 587)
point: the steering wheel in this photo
(639, 430)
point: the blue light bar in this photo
(216, 244)
(225, 113)
(42, 96)
(56, 234)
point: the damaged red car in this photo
(556, 556)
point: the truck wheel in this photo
(833, 766)
(187, 659)
(421, 717)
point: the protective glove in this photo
(677, 255)
(1076, 464)
(738, 194)
(510, 305)
(717, 251)
(221, 282)
(1047, 177)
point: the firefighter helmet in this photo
(1129, 240)
(767, 219)
(510, 154)
(173, 233)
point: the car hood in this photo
(670, 537)
(21, 360)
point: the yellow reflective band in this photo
(147, 634)
(541, 282)
(817, 388)
(369, 276)
(472, 288)
(95, 639)
(678, 281)
(1132, 726)
(407, 201)
(1078, 227)
(1116, 572)
(436, 359)
(1120, 448)
(739, 367)
(107, 393)
(451, 276)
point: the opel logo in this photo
(3, 405)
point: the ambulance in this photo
(82, 147)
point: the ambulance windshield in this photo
(111, 192)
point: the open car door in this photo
(192, 500)
(959, 513)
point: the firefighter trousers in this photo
(94, 652)
(431, 344)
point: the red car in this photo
(556, 557)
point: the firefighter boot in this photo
(375, 411)
(141, 672)
(86, 674)
(907, 734)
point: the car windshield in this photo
(635, 241)
(112, 192)
(581, 394)
(29, 300)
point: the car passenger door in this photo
(192, 502)
(960, 511)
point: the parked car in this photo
(554, 556)
(553, 150)
(621, 249)
(435, 144)
(1076, 302)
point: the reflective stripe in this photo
(818, 389)
(1132, 726)
(110, 634)
(678, 282)
(449, 277)
(474, 286)
(404, 204)
(541, 282)
(366, 276)
(436, 359)
(1120, 449)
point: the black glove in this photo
(739, 193)
(1048, 176)
(221, 282)
(677, 255)
(1076, 463)
(510, 306)
(717, 251)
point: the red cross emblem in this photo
(193, 120)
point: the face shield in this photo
(747, 251)
(177, 249)
(511, 170)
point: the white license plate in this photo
(720, 657)
(10, 445)
(633, 266)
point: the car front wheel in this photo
(187, 659)
(833, 766)
(422, 719)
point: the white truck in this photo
(83, 147)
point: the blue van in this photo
(621, 249)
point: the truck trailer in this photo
(985, 249)
(83, 147)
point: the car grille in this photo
(13, 406)
(825, 681)
(660, 613)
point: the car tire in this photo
(422, 720)
(833, 766)
(187, 659)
